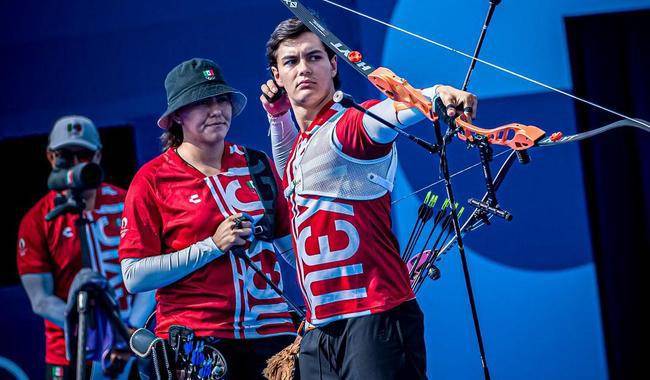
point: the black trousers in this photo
(246, 359)
(388, 345)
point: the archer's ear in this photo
(276, 76)
(51, 157)
(334, 63)
(176, 117)
(97, 158)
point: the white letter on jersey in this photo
(320, 204)
(335, 296)
(231, 189)
(325, 255)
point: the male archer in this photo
(338, 173)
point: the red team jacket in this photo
(169, 206)
(371, 277)
(54, 247)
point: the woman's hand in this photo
(229, 235)
(278, 107)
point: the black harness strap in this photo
(266, 188)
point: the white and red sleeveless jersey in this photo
(347, 257)
(169, 206)
(55, 247)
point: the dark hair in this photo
(288, 30)
(172, 137)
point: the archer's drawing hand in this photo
(278, 107)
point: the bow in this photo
(405, 96)
(515, 136)
(518, 137)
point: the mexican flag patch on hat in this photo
(209, 74)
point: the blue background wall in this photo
(534, 278)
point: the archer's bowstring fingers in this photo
(487, 63)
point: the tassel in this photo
(282, 366)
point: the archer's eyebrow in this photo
(309, 53)
(288, 56)
(315, 51)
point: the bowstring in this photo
(442, 180)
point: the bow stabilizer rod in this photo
(479, 44)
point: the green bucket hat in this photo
(193, 81)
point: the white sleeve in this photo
(40, 291)
(382, 134)
(285, 249)
(142, 306)
(283, 134)
(141, 275)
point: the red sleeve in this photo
(32, 250)
(353, 137)
(140, 235)
(282, 222)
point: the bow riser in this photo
(401, 91)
